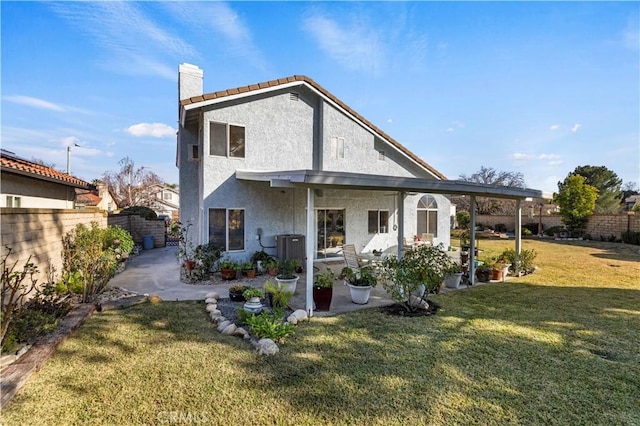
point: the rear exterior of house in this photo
(283, 125)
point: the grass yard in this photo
(558, 347)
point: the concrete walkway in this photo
(158, 271)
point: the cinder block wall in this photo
(603, 225)
(138, 227)
(39, 233)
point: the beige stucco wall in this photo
(36, 193)
(39, 232)
(139, 227)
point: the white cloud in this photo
(356, 47)
(390, 120)
(221, 21)
(554, 127)
(575, 128)
(156, 130)
(551, 159)
(34, 102)
(133, 43)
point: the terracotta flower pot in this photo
(228, 274)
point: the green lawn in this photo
(561, 346)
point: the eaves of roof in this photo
(16, 165)
(319, 179)
(297, 80)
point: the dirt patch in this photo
(399, 310)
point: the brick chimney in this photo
(189, 81)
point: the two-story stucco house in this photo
(291, 128)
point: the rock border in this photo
(228, 327)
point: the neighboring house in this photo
(100, 197)
(632, 202)
(30, 185)
(166, 201)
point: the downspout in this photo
(472, 240)
(309, 250)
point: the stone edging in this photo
(226, 326)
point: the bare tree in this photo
(132, 186)
(491, 176)
(41, 162)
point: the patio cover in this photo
(320, 179)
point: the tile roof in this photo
(88, 199)
(302, 79)
(14, 164)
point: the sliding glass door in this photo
(330, 228)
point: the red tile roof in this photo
(14, 164)
(304, 79)
(88, 199)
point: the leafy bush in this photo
(631, 237)
(463, 218)
(116, 237)
(526, 231)
(16, 284)
(500, 227)
(206, 256)
(270, 326)
(532, 227)
(522, 263)
(280, 297)
(551, 231)
(86, 251)
(144, 212)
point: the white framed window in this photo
(166, 196)
(226, 140)
(427, 216)
(226, 228)
(13, 201)
(378, 221)
(337, 148)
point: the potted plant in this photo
(248, 269)
(453, 275)
(236, 293)
(278, 297)
(228, 269)
(271, 265)
(323, 289)
(360, 283)
(253, 296)
(260, 258)
(483, 273)
(287, 277)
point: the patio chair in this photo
(350, 256)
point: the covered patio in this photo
(312, 180)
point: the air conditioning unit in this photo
(291, 246)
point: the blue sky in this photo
(538, 88)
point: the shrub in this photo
(463, 218)
(144, 212)
(500, 227)
(206, 256)
(270, 326)
(532, 227)
(16, 284)
(86, 251)
(553, 230)
(522, 263)
(631, 237)
(117, 238)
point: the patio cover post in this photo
(400, 206)
(309, 250)
(518, 229)
(472, 240)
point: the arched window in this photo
(427, 216)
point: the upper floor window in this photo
(166, 196)
(337, 148)
(226, 140)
